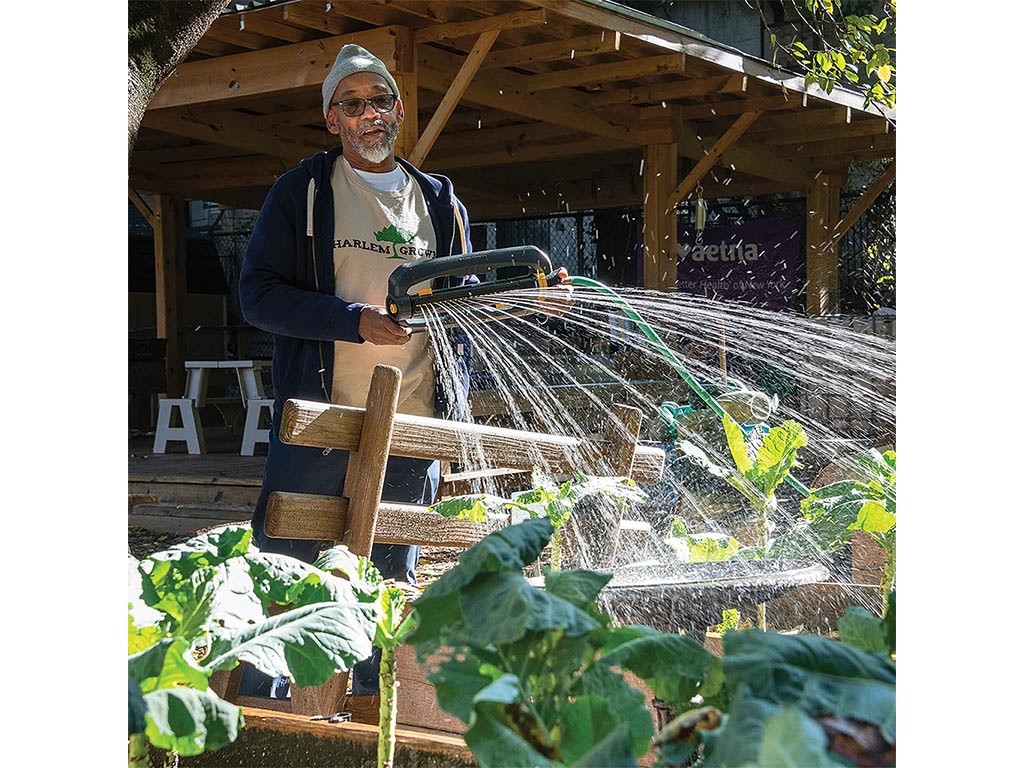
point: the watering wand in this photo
(670, 357)
(406, 306)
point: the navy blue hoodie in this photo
(287, 287)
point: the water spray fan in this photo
(407, 307)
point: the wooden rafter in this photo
(455, 91)
(605, 73)
(739, 106)
(459, 29)
(686, 89)
(526, 55)
(282, 68)
(144, 208)
(864, 201)
(828, 133)
(707, 162)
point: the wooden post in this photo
(822, 247)
(169, 256)
(364, 481)
(660, 237)
(405, 70)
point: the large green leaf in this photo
(862, 629)
(736, 744)
(777, 454)
(190, 722)
(579, 587)
(816, 673)
(586, 722)
(308, 644)
(504, 607)
(167, 569)
(167, 664)
(495, 744)
(613, 751)
(457, 683)
(791, 739)
(675, 667)
(286, 581)
(874, 518)
(630, 704)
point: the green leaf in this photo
(190, 722)
(504, 607)
(136, 708)
(284, 580)
(862, 629)
(737, 444)
(884, 73)
(496, 744)
(359, 571)
(585, 723)
(579, 587)
(791, 738)
(392, 606)
(874, 518)
(630, 704)
(474, 508)
(457, 683)
(889, 624)
(737, 743)
(675, 667)
(777, 454)
(308, 644)
(613, 751)
(167, 664)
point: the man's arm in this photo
(267, 290)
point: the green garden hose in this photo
(670, 357)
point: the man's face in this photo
(370, 136)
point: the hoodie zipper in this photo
(316, 284)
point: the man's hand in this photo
(557, 300)
(377, 327)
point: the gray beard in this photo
(379, 150)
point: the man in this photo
(315, 275)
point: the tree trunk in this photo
(161, 33)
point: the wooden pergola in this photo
(530, 106)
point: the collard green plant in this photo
(707, 547)
(797, 700)
(547, 498)
(393, 627)
(204, 606)
(835, 511)
(537, 673)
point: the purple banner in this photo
(755, 263)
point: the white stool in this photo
(190, 432)
(253, 434)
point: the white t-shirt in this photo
(375, 230)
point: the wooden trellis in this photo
(359, 518)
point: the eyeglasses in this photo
(356, 107)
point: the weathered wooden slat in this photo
(309, 423)
(604, 73)
(525, 55)
(459, 29)
(325, 518)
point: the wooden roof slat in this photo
(263, 24)
(455, 30)
(651, 94)
(556, 50)
(825, 133)
(226, 29)
(301, 15)
(603, 73)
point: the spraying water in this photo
(561, 376)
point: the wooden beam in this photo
(451, 98)
(660, 236)
(746, 158)
(510, 92)
(527, 55)
(822, 247)
(282, 68)
(567, 145)
(649, 94)
(828, 133)
(606, 73)
(169, 261)
(305, 422)
(235, 129)
(458, 29)
(143, 208)
(707, 162)
(714, 109)
(864, 201)
(261, 23)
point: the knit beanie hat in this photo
(354, 58)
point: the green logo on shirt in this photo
(393, 234)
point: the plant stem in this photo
(388, 708)
(762, 520)
(138, 751)
(889, 571)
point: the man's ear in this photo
(399, 112)
(332, 122)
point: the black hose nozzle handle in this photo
(402, 306)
